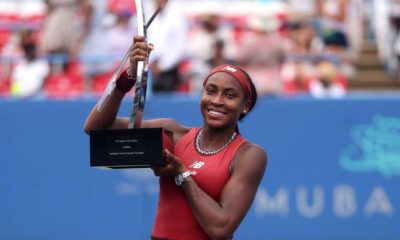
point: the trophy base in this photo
(126, 148)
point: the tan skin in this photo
(222, 102)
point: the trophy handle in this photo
(142, 71)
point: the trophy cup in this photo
(134, 147)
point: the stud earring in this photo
(245, 112)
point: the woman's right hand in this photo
(140, 52)
(173, 166)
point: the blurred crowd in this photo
(71, 48)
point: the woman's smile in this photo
(216, 113)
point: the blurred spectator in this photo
(301, 10)
(202, 37)
(336, 51)
(95, 53)
(67, 24)
(333, 15)
(313, 64)
(261, 53)
(117, 6)
(296, 77)
(9, 53)
(205, 34)
(30, 71)
(117, 39)
(340, 42)
(109, 39)
(303, 48)
(208, 45)
(218, 56)
(198, 69)
(329, 83)
(303, 40)
(168, 34)
(120, 36)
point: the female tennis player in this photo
(211, 172)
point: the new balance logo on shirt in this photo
(197, 164)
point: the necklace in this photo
(205, 152)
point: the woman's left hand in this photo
(173, 166)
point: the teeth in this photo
(215, 112)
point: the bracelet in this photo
(180, 178)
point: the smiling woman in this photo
(236, 82)
(212, 173)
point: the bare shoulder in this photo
(250, 157)
(250, 150)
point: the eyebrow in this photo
(229, 88)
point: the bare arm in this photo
(107, 118)
(220, 219)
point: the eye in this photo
(210, 90)
(230, 95)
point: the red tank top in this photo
(174, 218)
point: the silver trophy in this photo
(134, 147)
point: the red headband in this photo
(237, 73)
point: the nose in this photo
(217, 99)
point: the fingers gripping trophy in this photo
(134, 147)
